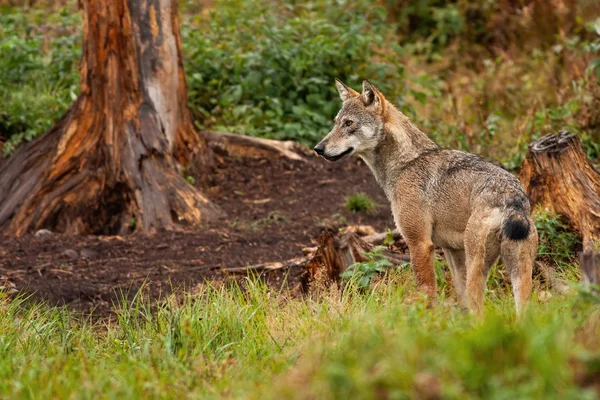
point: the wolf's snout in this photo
(320, 149)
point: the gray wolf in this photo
(475, 211)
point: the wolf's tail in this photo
(516, 224)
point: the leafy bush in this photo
(360, 202)
(362, 272)
(266, 68)
(271, 71)
(38, 71)
(594, 47)
(427, 25)
(556, 242)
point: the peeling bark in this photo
(113, 161)
(557, 175)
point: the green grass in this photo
(360, 202)
(231, 343)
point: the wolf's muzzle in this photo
(320, 149)
(339, 156)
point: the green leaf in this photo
(364, 281)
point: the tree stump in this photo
(336, 253)
(112, 164)
(558, 176)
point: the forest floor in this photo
(274, 208)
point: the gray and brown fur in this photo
(471, 208)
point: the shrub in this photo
(556, 242)
(38, 71)
(271, 71)
(360, 202)
(427, 25)
(266, 68)
(361, 273)
(593, 47)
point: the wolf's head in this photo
(358, 126)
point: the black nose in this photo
(320, 149)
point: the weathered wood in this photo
(375, 239)
(379, 238)
(558, 176)
(361, 230)
(113, 162)
(590, 267)
(253, 147)
(336, 253)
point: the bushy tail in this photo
(516, 225)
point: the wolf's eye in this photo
(348, 123)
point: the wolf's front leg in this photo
(421, 257)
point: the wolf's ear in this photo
(345, 91)
(370, 96)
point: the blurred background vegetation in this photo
(485, 76)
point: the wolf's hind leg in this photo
(456, 262)
(518, 257)
(482, 249)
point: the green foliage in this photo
(589, 293)
(442, 273)
(593, 47)
(428, 25)
(360, 202)
(266, 68)
(550, 120)
(271, 72)
(556, 242)
(389, 238)
(361, 273)
(38, 71)
(30, 110)
(591, 147)
(132, 224)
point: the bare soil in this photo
(275, 208)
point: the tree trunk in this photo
(112, 163)
(557, 175)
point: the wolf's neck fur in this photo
(403, 142)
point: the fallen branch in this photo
(253, 147)
(379, 238)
